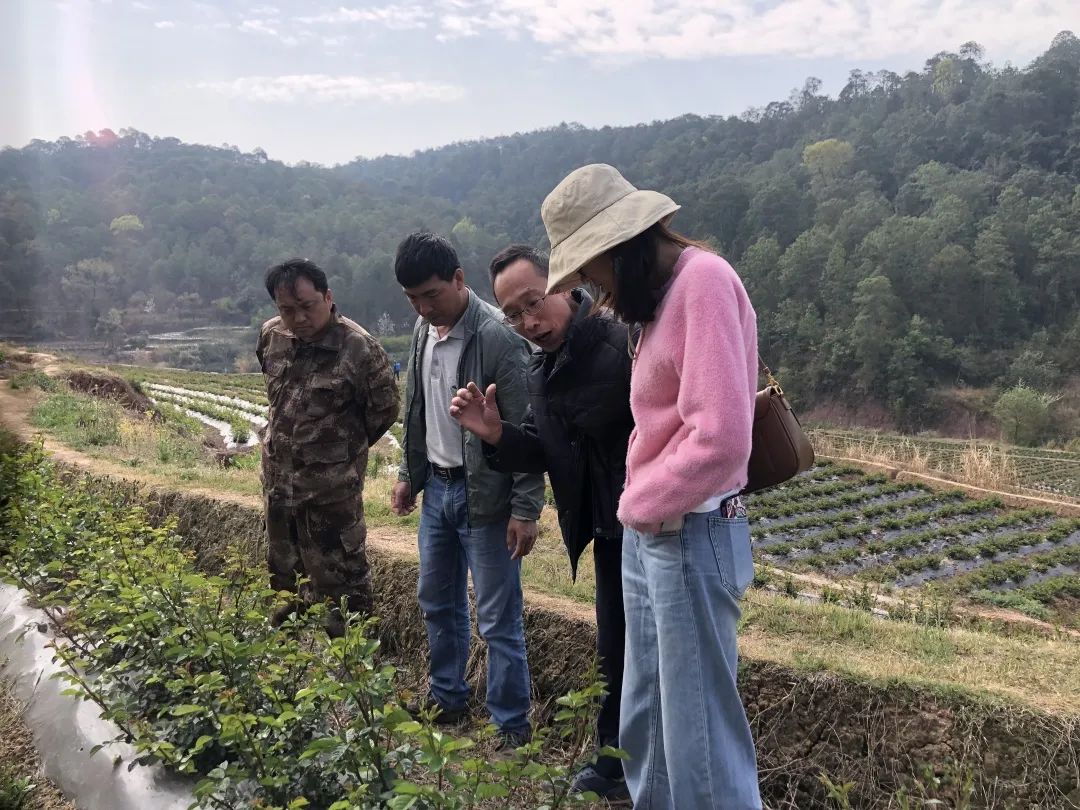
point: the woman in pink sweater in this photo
(686, 549)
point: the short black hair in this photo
(508, 255)
(422, 255)
(288, 272)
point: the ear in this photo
(329, 297)
(459, 278)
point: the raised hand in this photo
(478, 412)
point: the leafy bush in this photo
(187, 666)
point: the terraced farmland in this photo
(1047, 472)
(838, 521)
(233, 404)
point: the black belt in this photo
(448, 473)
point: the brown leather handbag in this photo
(779, 449)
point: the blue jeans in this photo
(683, 723)
(449, 549)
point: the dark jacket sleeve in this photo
(520, 449)
(410, 394)
(527, 495)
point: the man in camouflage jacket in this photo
(332, 395)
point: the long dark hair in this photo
(638, 290)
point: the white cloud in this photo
(691, 29)
(269, 28)
(318, 87)
(164, 24)
(399, 18)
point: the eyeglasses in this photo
(532, 308)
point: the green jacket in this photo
(492, 353)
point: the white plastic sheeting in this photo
(224, 428)
(66, 729)
(244, 407)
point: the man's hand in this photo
(520, 537)
(402, 500)
(478, 412)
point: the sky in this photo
(330, 81)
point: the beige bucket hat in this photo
(591, 211)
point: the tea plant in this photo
(187, 666)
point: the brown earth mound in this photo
(111, 387)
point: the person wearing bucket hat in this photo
(686, 547)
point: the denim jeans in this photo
(449, 549)
(683, 723)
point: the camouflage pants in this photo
(327, 544)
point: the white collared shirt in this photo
(439, 376)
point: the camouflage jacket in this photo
(330, 400)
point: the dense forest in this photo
(915, 233)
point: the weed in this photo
(790, 588)
(15, 790)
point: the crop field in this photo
(1039, 471)
(842, 523)
(233, 404)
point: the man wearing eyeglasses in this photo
(576, 430)
(474, 518)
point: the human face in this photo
(520, 286)
(440, 303)
(304, 310)
(600, 272)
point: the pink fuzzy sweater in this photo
(692, 394)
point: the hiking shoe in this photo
(588, 780)
(507, 742)
(445, 717)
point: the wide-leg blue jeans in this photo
(683, 723)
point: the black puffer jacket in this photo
(577, 426)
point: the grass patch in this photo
(1012, 600)
(1029, 670)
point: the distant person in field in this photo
(686, 549)
(332, 395)
(397, 370)
(474, 518)
(576, 430)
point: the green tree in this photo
(126, 224)
(1023, 414)
(877, 322)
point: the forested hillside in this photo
(913, 232)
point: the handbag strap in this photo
(770, 379)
